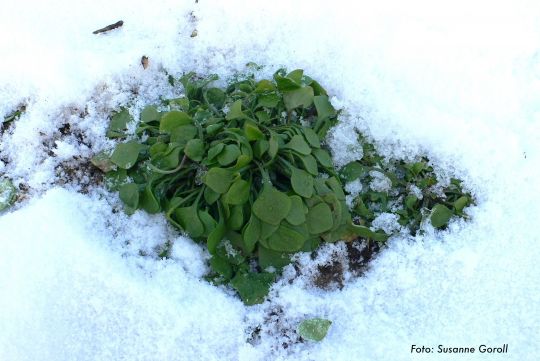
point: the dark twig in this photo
(109, 27)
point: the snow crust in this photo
(458, 82)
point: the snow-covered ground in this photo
(458, 82)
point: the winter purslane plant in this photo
(244, 169)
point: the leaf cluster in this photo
(242, 169)
(428, 201)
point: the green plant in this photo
(244, 170)
(8, 193)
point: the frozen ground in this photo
(459, 83)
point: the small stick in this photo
(109, 27)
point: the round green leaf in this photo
(461, 203)
(125, 155)
(296, 215)
(183, 133)
(302, 182)
(310, 164)
(440, 215)
(319, 219)
(188, 218)
(286, 239)
(194, 149)
(252, 131)
(323, 157)
(172, 120)
(129, 194)
(149, 114)
(238, 193)
(229, 154)
(272, 205)
(218, 179)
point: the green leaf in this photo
(215, 237)
(218, 179)
(312, 137)
(8, 193)
(267, 230)
(125, 155)
(215, 150)
(296, 75)
(264, 86)
(172, 120)
(238, 193)
(215, 97)
(252, 131)
(271, 206)
(310, 164)
(323, 157)
(268, 100)
(286, 239)
(252, 287)
(148, 201)
(302, 97)
(314, 329)
(221, 267)
(352, 171)
(235, 111)
(195, 150)
(260, 147)
(440, 215)
(273, 146)
(285, 84)
(324, 107)
(296, 215)
(251, 234)
(461, 203)
(149, 114)
(297, 143)
(183, 133)
(103, 162)
(410, 201)
(129, 194)
(301, 182)
(269, 258)
(319, 219)
(188, 218)
(229, 154)
(236, 218)
(118, 124)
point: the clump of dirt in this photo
(79, 172)
(356, 261)
(329, 276)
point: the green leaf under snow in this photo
(252, 287)
(314, 329)
(8, 193)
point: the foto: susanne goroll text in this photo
(451, 349)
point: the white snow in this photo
(457, 82)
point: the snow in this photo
(458, 83)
